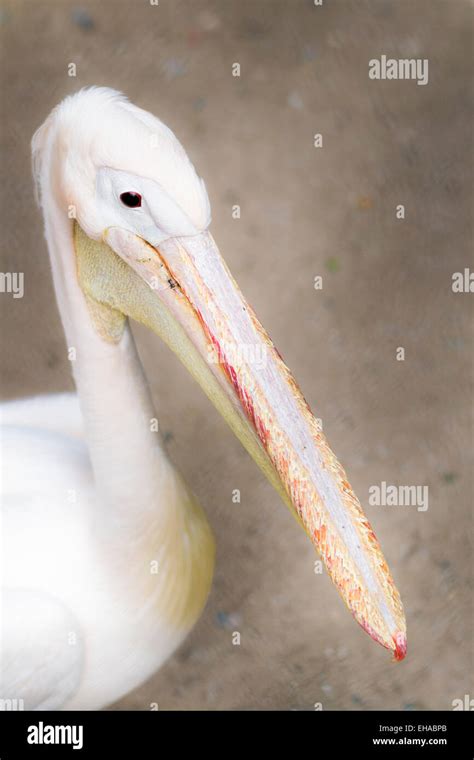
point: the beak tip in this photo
(400, 649)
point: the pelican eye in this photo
(132, 200)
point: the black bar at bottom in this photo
(146, 734)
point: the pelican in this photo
(107, 557)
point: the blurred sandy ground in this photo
(305, 212)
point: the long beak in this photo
(184, 292)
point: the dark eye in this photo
(132, 200)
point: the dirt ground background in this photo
(305, 212)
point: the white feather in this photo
(90, 502)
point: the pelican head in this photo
(140, 217)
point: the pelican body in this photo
(107, 559)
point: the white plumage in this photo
(107, 559)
